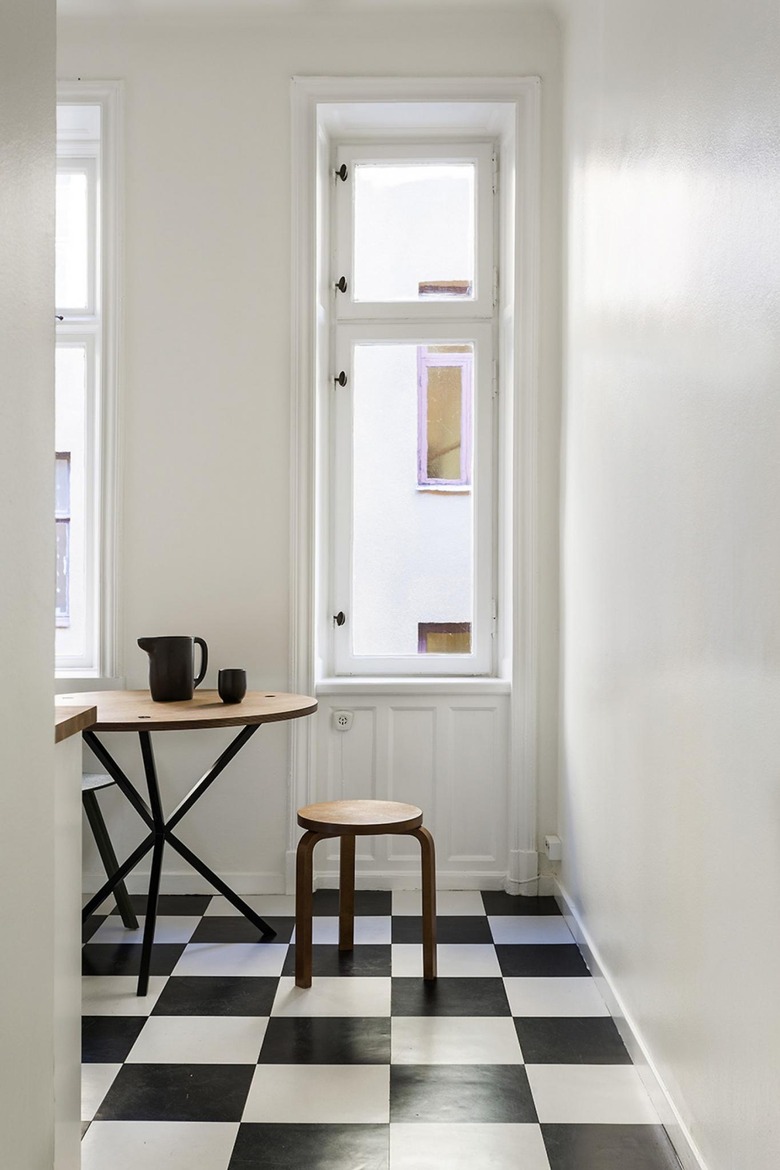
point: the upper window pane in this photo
(414, 231)
(71, 241)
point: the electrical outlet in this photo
(342, 720)
(553, 847)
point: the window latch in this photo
(341, 284)
(340, 379)
(342, 172)
(339, 618)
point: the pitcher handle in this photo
(204, 660)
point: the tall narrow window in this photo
(85, 279)
(412, 421)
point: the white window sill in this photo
(72, 684)
(413, 686)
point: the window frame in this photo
(96, 327)
(381, 150)
(323, 108)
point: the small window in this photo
(445, 387)
(444, 637)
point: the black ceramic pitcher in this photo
(172, 666)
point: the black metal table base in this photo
(161, 834)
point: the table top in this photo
(72, 717)
(137, 711)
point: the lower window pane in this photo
(412, 505)
(71, 361)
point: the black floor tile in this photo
(368, 902)
(570, 1040)
(311, 1147)
(368, 959)
(236, 928)
(609, 1147)
(539, 960)
(454, 928)
(499, 902)
(177, 1092)
(208, 995)
(449, 997)
(108, 1039)
(326, 1040)
(93, 923)
(182, 904)
(125, 958)
(492, 1093)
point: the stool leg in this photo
(303, 907)
(108, 857)
(428, 865)
(347, 892)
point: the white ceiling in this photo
(108, 9)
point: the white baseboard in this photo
(189, 882)
(374, 879)
(679, 1135)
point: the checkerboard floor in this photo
(510, 1061)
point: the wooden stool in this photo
(348, 819)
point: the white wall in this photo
(670, 797)
(26, 583)
(206, 371)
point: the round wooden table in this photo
(136, 711)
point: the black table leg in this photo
(155, 803)
(162, 833)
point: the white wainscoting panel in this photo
(447, 753)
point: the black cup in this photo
(231, 685)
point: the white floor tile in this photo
(311, 1093)
(96, 1080)
(554, 997)
(466, 1147)
(606, 1094)
(271, 905)
(231, 959)
(115, 995)
(169, 928)
(454, 1040)
(368, 929)
(152, 1145)
(455, 960)
(199, 1040)
(519, 928)
(448, 902)
(333, 996)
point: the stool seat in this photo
(348, 819)
(360, 817)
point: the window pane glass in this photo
(71, 499)
(71, 241)
(412, 552)
(62, 591)
(414, 231)
(62, 484)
